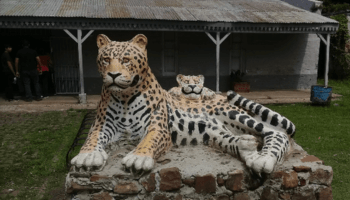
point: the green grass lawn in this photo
(325, 133)
(33, 146)
(33, 149)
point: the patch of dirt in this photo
(58, 194)
(35, 108)
(64, 113)
(9, 118)
(10, 192)
(42, 189)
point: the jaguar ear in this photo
(178, 78)
(201, 79)
(140, 40)
(102, 40)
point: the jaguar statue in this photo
(191, 87)
(133, 105)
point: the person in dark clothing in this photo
(9, 72)
(20, 85)
(27, 60)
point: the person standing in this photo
(9, 72)
(45, 74)
(27, 59)
(20, 85)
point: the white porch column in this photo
(80, 40)
(217, 61)
(217, 42)
(82, 95)
(327, 61)
(327, 42)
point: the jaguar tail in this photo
(262, 113)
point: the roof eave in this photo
(164, 25)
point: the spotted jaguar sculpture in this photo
(133, 105)
(191, 87)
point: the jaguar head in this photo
(191, 86)
(122, 65)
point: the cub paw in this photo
(261, 163)
(247, 143)
(143, 163)
(90, 160)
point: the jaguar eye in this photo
(107, 60)
(126, 60)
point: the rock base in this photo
(203, 173)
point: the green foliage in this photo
(340, 59)
(330, 6)
(342, 35)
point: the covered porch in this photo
(215, 19)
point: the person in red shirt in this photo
(44, 74)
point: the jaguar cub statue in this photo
(191, 87)
(133, 105)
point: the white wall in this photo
(282, 61)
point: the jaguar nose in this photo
(192, 86)
(114, 76)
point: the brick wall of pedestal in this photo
(309, 179)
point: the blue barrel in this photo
(320, 94)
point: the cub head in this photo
(191, 86)
(122, 65)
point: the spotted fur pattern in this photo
(191, 87)
(133, 106)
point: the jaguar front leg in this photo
(155, 142)
(92, 155)
(92, 158)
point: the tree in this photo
(340, 59)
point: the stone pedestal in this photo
(203, 173)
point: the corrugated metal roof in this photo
(253, 11)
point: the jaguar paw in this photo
(261, 163)
(92, 160)
(143, 163)
(247, 143)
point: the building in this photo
(275, 43)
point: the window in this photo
(170, 67)
(237, 54)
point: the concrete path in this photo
(65, 102)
